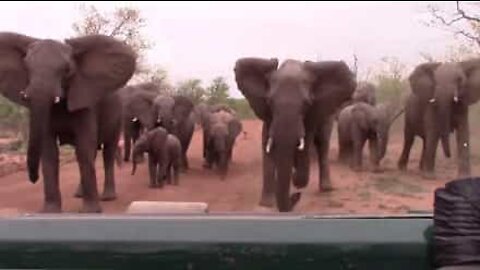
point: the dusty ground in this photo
(362, 193)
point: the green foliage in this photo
(13, 120)
(217, 92)
(391, 82)
(191, 88)
(241, 106)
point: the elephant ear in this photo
(333, 85)
(13, 72)
(251, 75)
(103, 65)
(235, 127)
(471, 70)
(422, 81)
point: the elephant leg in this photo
(344, 151)
(127, 144)
(422, 157)
(86, 159)
(79, 191)
(374, 160)
(358, 144)
(161, 171)
(463, 144)
(50, 164)
(408, 139)
(323, 145)
(176, 172)
(431, 139)
(109, 152)
(152, 170)
(268, 185)
(301, 173)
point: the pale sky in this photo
(204, 39)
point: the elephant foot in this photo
(299, 182)
(429, 175)
(152, 185)
(108, 196)
(267, 201)
(326, 186)
(78, 193)
(377, 170)
(357, 169)
(51, 208)
(91, 207)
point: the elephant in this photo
(176, 114)
(438, 105)
(202, 113)
(296, 102)
(164, 156)
(222, 129)
(138, 105)
(361, 122)
(365, 92)
(65, 86)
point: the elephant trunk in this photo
(221, 149)
(285, 201)
(39, 121)
(444, 121)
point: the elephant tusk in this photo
(301, 146)
(24, 95)
(465, 144)
(56, 100)
(269, 145)
(135, 119)
(455, 99)
(159, 120)
(432, 100)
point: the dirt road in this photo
(362, 193)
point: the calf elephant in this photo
(222, 129)
(65, 85)
(359, 123)
(164, 156)
(296, 103)
(438, 106)
(177, 116)
(137, 112)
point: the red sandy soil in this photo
(389, 192)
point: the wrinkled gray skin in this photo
(68, 87)
(296, 102)
(359, 123)
(202, 113)
(137, 112)
(438, 106)
(365, 92)
(222, 130)
(176, 114)
(164, 156)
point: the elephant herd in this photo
(76, 92)
(299, 102)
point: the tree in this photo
(462, 23)
(217, 92)
(193, 89)
(391, 82)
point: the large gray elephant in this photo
(221, 130)
(359, 123)
(65, 86)
(296, 103)
(438, 106)
(137, 112)
(176, 114)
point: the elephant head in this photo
(138, 107)
(222, 133)
(47, 75)
(291, 100)
(443, 87)
(365, 92)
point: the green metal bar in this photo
(215, 242)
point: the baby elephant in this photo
(358, 123)
(164, 156)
